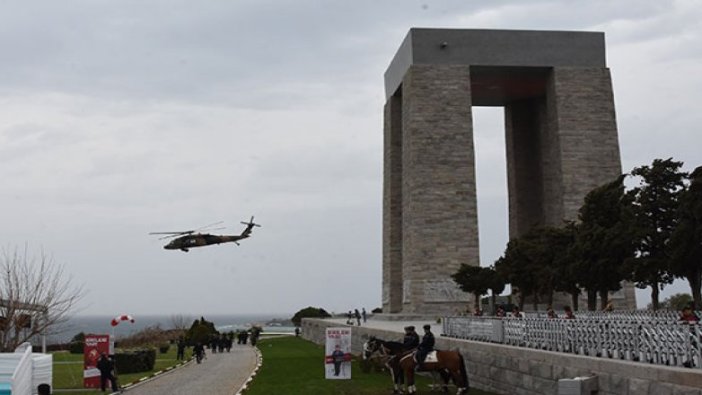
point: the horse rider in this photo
(409, 342)
(411, 339)
(426, 345)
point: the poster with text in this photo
(94, 346)
(337, 357)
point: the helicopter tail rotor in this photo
(250, 223)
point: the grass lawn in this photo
(294, 366)
(68, 371)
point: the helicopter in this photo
(193, 238)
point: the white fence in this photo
(657, 338)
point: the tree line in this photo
(650, 235)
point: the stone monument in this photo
(561, 142)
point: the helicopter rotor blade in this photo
(172, 234)
(210, 225)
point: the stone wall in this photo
(514, 370)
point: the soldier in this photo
(214, 342)
(425, 346)
(180, 349)
(199, 352)
(106, 368)
(411, 339)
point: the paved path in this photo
(219, 374)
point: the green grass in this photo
(294, 366)
(68, 371)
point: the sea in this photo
(99, 324)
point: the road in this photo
(219, 374)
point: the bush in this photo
(135, 361)
(163, 348)
(76, 347)
(58, 347)
(200, 332)
(377, 310)
(309, 312)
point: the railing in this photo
(657, 338)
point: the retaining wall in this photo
(523, 371)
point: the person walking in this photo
(357, 314)
(199, 352)
(106, 367)
(363, 313)
(180, 346)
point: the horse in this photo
(449, 364)
(391, 350)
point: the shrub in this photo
(377, 310)
(76, 347)
(309, 312)
(135, 361)
(163, 348)
(200, 331)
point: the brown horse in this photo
(449, 364)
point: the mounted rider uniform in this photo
(425, 346)
(411, 339)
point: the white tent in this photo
(22, 371)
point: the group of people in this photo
(423, 346)
(550, 313)
(221, 343)
(500, 312)
(358, 315)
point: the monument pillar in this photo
(561, 142)
(438, 200)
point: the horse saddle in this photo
(431, 357)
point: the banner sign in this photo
(94, 346)
(337, 357)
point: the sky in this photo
(120, 118)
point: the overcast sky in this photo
(119, 118)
